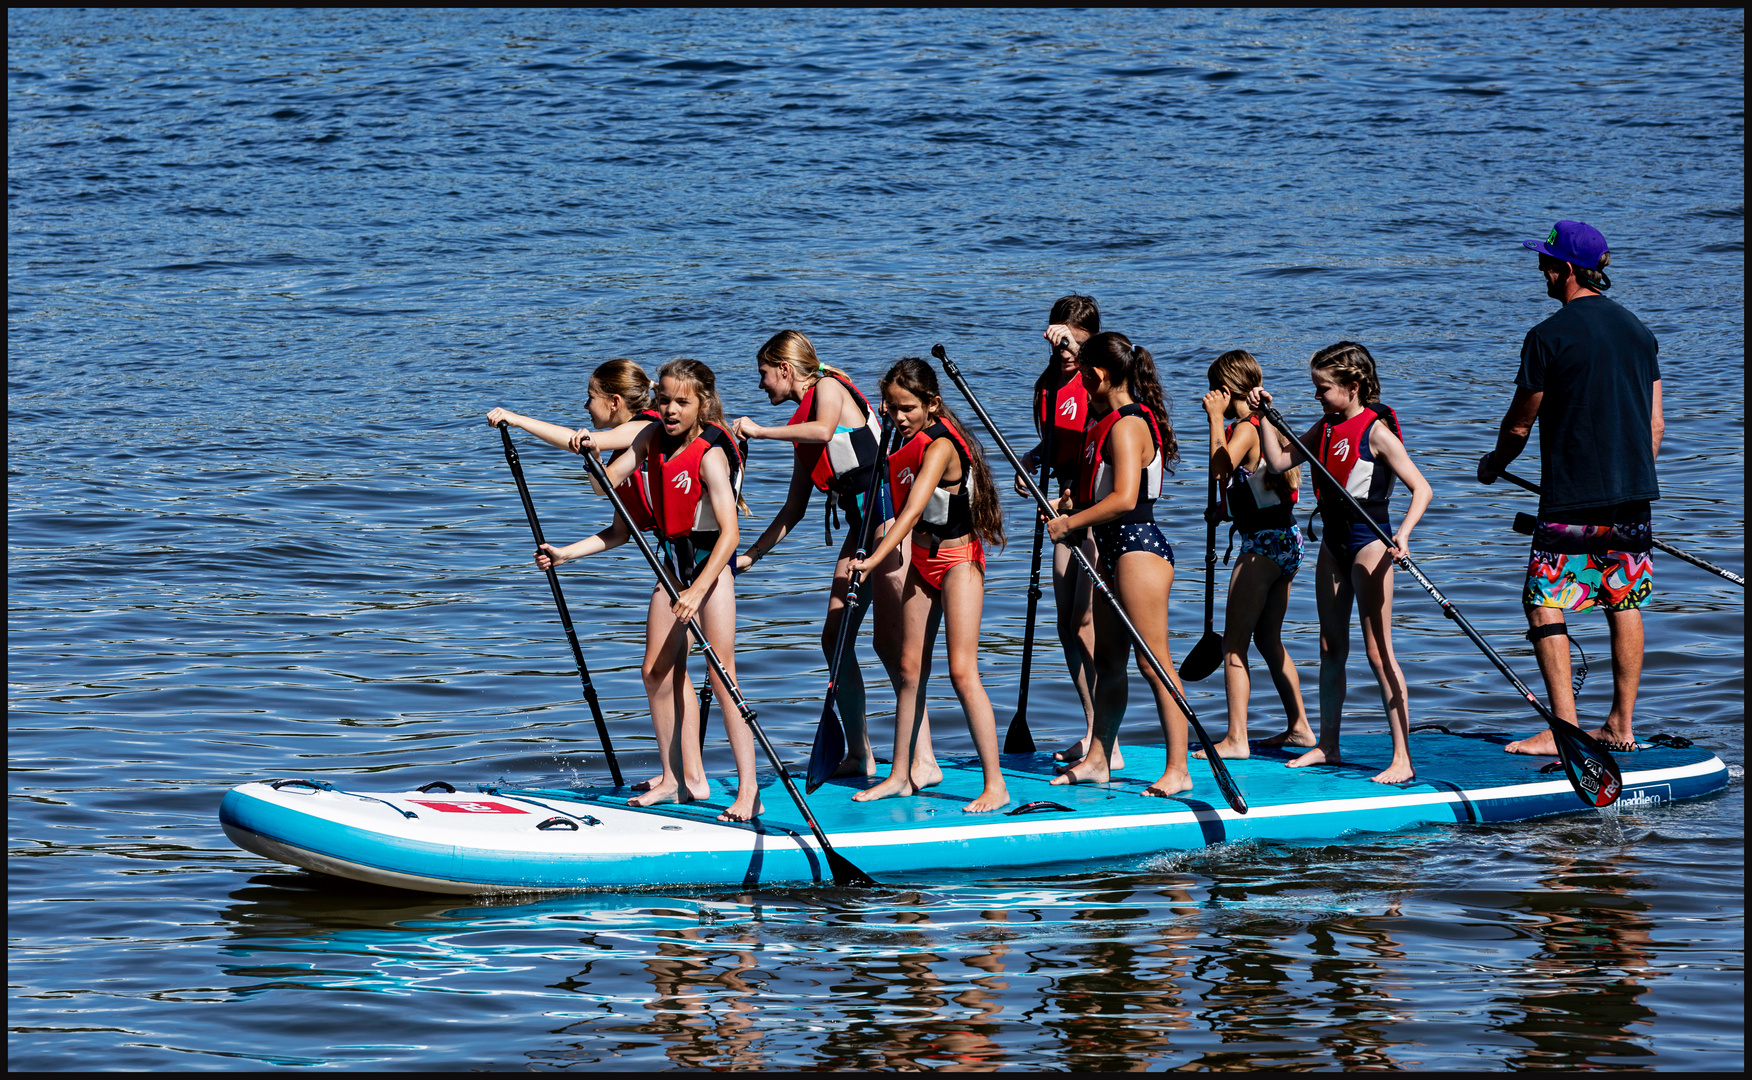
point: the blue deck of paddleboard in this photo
(1464, 779)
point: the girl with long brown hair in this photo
(950, 510)
(1260, 503)
(692, 472)
(1127, 448)
(834, 433)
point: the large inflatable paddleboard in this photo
(485, 839)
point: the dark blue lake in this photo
(268, 270)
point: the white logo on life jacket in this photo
(1068, 408)
(906, 475)
(1341, 449)
(1089, 452)
(683, 483)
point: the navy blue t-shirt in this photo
(1596, 364)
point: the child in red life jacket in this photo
(1061, 412)
(1126, 449)
(1358, 441)
(1261, 504)
(692, 482)
(834, 432)
(950, 510)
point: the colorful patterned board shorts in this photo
(1281, 546)
(1576, 567)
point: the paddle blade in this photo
(829, 748)
(1204, 658)
(1590, 768)
(844, 873)
(1018, 739)
(1219, 771)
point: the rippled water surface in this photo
(268, 270)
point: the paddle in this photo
(1591, 770)
(844, 873)
(1017, 738)
(829, 748)
(706, 684)
(560, 602)
(1220, 771)
(1668, 548)
(1208, 653)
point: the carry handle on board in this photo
(1591, 770)
(1225, 782)
(844, 872)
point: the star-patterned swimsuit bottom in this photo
(1115, 538)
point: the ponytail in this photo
(793, 348)
(628, 380)
(1133, 366)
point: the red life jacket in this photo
(1095, 473)
(1344, 450)
(632, 489)
(841, 464)
(1061, 416)
(903, 467)
(948, 514)
(1248, 500)
(677, 493)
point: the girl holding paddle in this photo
(834, 433)
(949, 511)
(692, 482)
(1260, 503)
(1357, 440)
(1061, 411)
(1126, 449)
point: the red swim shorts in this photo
(933, 567)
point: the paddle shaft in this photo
(844, 873)
(1668, 548)
(1211, 559)
(1452, 612)
(1219, 770)
(560, 602)
(1017, 738)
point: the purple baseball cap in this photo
(1574, 242)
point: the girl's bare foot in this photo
(747, 807)
(989, 799)
(896, 784)
(1396, 773)
(647, 785)
(927, 774)
(1083, 772)
(1228, 749)
(855, 765)
(1075, 752)
(673, 793)
(1302, 736)
(1316, 756)
(1173, 782)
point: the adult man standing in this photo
(1589, 375)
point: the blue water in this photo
(269, 269)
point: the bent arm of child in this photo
(612, 537)
(1227, 451)
(936, 461)
(1129, 444)
(796, 503)
(715, 474)
(615, 438)
(831, 398)
(1387, 448)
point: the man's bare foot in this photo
(745, 808)
(895, 785)
(855, 765)
(1083, 772)
(1228, 749)
(1397, 773)
(1316, 756)
(1540, 745)
(989, 799)
(1302, 736)
(674, 793)
(1173, 782)
(927, 774)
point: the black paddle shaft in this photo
(1686, 556)
(1017, 738)
(844, 872)
(1231, 792)
(560, 602)
(1593, 788)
